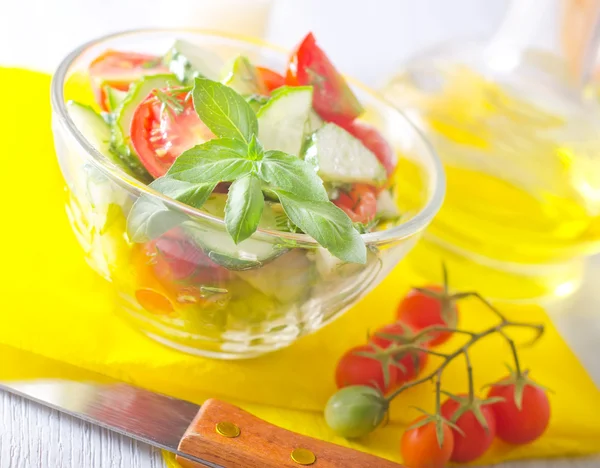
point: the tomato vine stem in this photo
(462, 350)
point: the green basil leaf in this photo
(223, 111)
(220, 160)
(244, 207)
(327, 224)
(191, 194)
(289, 173)
(150, 218)
(255, 149)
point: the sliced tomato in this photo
(178, 260)
(119, 69)
(374, 141)
(171, 272)
(272, 79)
(360, 203)
(333, 99)
(159, 134)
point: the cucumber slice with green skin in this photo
(285, 279)
(114, 97)
(188, 61)
(121, 133)
(244, 78)
(387, 209)
(283, 119)
(216, 242)
(96, 131)
(340, 157)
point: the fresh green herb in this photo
(219, 160)
(212, 290)
(327, 224)
(223, 111)
(245, 204)
(186, 192)
(291, 174)
(168, 102)
(237, 156)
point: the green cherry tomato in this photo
(355, 411)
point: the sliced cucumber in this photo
(340, 157)
(96, 131)
(387, 209)
(114, 97)
(120, 138)
(218, 245)
(283, 119)
(187, 61)
(286, 279)
(244, 78)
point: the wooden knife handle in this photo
(261, 444)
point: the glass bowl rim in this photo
(117, 175)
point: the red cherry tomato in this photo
(119, 69)
(176, 260)
(421, 311)
(475, 440)
(353, 369)
(272, 79)
(160, 135)
(412, 362)
(420, 447)
(333, 99)
(360, 204)
(520, 426)
(170, 272)
(374, 141)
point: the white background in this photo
(366, 38)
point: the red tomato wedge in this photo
(360, 203)
(374, 141)
(272, 79)
(160, 134)
(119, 69)
(333, 99)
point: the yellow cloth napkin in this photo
(53, 304)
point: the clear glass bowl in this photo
(283, 285)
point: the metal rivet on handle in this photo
(227, 429)
(303, 456)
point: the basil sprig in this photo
(237, 156)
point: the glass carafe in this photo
(518, 130)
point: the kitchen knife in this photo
(214, 435)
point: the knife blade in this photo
(194, 433)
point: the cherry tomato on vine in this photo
(355, 411)
(413, 362)
(376, 142)
(420, 311)
(420, 447)
(524, 423)
(272, 79)
(159, 134)
(360, 203)
(333, 99)
(119, 69)
(355, 369)
(475, 439)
